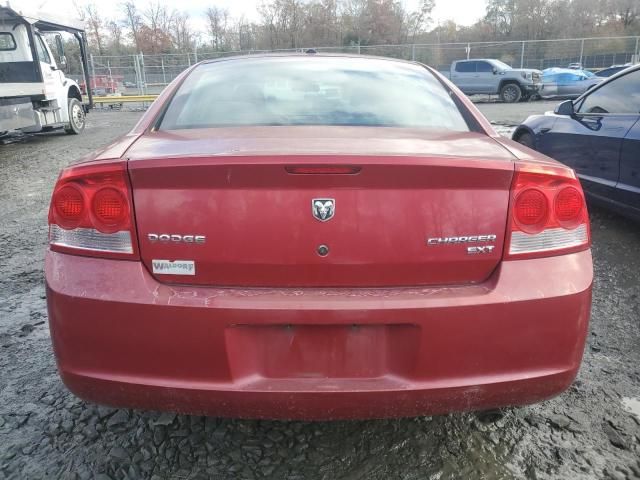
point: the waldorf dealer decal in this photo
(174, 267)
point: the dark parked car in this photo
(608, 72)
(598, 135)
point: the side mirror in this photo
(60, 47)
(495, 71)
(565, 108)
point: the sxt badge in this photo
(476, 250)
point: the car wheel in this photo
(525, 139)
(510, 93)
(76, 117)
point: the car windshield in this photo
(312, 91)
(501, 65)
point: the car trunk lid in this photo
(404, 208)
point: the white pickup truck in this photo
(35, 94)
(492, 77)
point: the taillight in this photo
(569, 206)
(69, 206)
(91, 212)
(531, 209)
(110, 210)
(547, 213)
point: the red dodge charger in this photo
(317, 237)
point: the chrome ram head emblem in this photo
(323, 209)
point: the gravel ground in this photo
(45, 432)
(512, 114)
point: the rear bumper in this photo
(121, 338)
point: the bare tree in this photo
(419, 20)
(133, 21)
(625, 11)
(246, 34)
(114, 30)
(354, 16)
(294, 12)
(181, 33)
(321, 25)
(270, 13)
(533, 18)
(157, 28)
(95, 25)
(501, 16)
(217, 20)
(154, 28)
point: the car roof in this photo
(478, 60)
(619, 74)
(624, 70)
(267, 55)
(614, 69)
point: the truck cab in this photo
(35, 93)
(492, 77)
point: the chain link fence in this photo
(149, 74)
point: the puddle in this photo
(632, 405)
(478, 458)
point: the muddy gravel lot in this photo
(589, 432)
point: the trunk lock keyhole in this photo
(323, 250)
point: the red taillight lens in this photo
(568, 204)
(536, 228)
(91, 211)
(531, 208)
(110, 209)
(69, 206)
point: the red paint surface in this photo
(260, 230)
(122, 338)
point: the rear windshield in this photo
(312, 91)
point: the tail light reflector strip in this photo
(91, 239)
(548, 240)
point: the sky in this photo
(463, 12)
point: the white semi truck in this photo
(35, 93)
